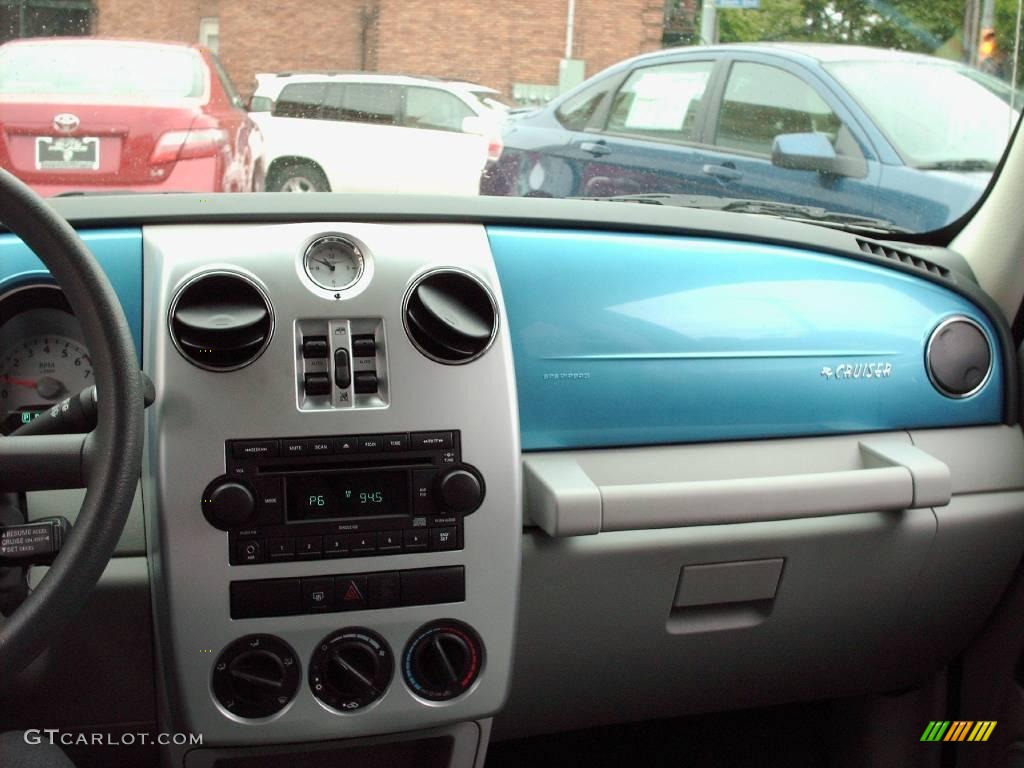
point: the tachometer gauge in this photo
(332, 262)
(38, 372)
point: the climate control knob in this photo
(228, 503)
(256, 676)
(350, 669)
(442, 660)
(461, 489)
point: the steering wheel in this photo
(106, 462)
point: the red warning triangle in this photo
(352, 593)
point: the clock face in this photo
(333, 263)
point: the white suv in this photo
(373, 133)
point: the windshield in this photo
(91, 69)
(859, 114)
(955, 117)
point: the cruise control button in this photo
(430, 440)
(444, 538)
(350, 592)
(255, 449)
(308, 546)
(249, 551)
(414, 539)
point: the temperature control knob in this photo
(442, 660)
(350, 669)
(256, 676)
(461, 489)
(228, 503)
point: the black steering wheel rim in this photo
(115, 447)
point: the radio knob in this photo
(228, 503)
(461, 490)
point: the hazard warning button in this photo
(350, 593)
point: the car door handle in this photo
(722, 172)
(595, 148)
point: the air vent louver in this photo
(221, 321)
(450, 317)
(903, 257)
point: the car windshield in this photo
(857, 114)
(92, 69)
(956, 117)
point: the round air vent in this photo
(450, 317)
(221, 321)
(958, 357)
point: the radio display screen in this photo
(335, 495)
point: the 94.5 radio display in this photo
(335, 495)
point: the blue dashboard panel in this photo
(631, 339)
(119, 253)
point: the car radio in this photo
(285, 499)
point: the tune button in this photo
(350, 669)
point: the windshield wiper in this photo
(809, 214)
(967, 164)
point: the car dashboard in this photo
(432, 472)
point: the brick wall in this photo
(496, 44)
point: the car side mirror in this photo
(814, 152)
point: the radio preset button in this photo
(249, 551)
(362, 542)
(399, 442)
(350, 592)
(430, 440)
(335, 544)
(308, 546)
(318, 595)
(280, 549)
(389, 541)
(345, 444)
(444, 538)
(414, 539)
(255, 449)
(370, 443)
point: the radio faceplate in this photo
(345, 496)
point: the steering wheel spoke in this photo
(45, 462)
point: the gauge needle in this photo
(325, 263)
(50, 388)
(19, 382)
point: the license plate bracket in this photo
(60, 153)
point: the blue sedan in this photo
(904, 139)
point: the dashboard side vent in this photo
(887, 252)
(450, 316)
(221, 321)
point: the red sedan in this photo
(84, 115)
